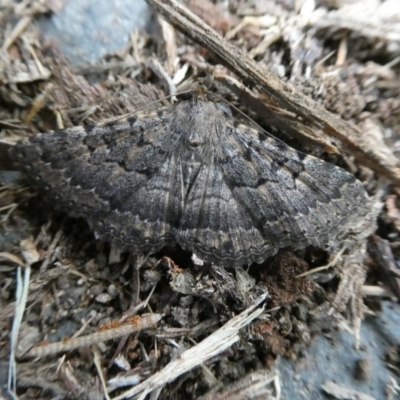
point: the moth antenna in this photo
(250, 119)
(112, 119)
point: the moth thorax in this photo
(194, 139)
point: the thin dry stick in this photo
(382, 252)
(22, 24)
(51, 249)
(214, 344)
(97, 363)
(291, 125)
(21, 298)
(281, 94)
(324, 267)
(140, 323)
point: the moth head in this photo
(199, 122)
(194, 140)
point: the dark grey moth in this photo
(187, 174)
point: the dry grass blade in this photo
(21, 298)
(258, 385)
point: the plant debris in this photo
(80, 318)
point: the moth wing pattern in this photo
(216, 225)
(103, 172)
(259, 195)
(188, 175)
(293, 199)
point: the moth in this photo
(188, 174)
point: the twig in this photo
(135, 324)
(369, 290)
(12, 258)
(51, 249)
(256, 385)
(291, 125)
(324, 267)
(22, 24)
(97, 363)
(380, 248)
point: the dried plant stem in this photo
(140, 323)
